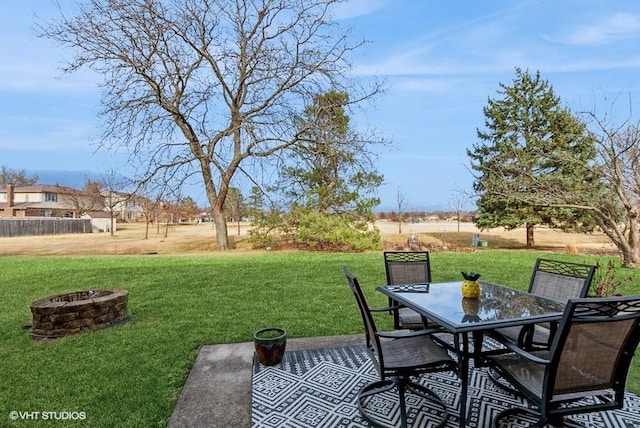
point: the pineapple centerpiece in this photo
(470, 286)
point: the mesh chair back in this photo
(561, 280)
(593, 348)
(372, 340)
(404, 267)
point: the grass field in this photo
(131, 375)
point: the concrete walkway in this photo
(218, 390)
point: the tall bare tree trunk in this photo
(530, 240)
(631, 257)
(625, 238)
(402, 203)
(221, 227)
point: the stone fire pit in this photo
(72, 313)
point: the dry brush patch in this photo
(439, 236)
(200, 238)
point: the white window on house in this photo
(51, 197)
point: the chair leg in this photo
(376, 388)
(370, 390)
(425, 392)
(403, 385)
(557, 421)
(403, 405)
(497, 380)
(515, 410)
(569, 423)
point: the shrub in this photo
(310, 230)
(606, 283)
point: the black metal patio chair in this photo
(554, 279)
(584, 370)
(398, 357)
(407, 267)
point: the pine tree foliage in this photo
(332, 170)
(329, 182)
(530, 146)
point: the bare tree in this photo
(110, 188)
(456, 204)
(402, 205)
(202, 86)
(612, 198)
(150, 209)
(151, 194)
(16, 177)
(235, 206)
(616, 207)
(170, 211)
(88, 199)
(155, 196)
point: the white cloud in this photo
(483, 43)
(497, 43)
(616, 27)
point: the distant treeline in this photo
(423, 216)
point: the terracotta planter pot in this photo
(270, 344)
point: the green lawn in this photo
(131, 375)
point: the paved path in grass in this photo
(218, 390)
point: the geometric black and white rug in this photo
(319, 388)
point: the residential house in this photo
(60, 201)
(126, 207)
(40, 201)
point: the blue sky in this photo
(441, 61)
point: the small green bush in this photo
(310, 230)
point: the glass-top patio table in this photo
(498, 306)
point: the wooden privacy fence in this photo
(43, 226)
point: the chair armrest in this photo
(524, 354)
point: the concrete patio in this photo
(218, 390)
(218, 393)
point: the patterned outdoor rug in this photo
(319, 388)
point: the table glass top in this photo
(496, 305)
